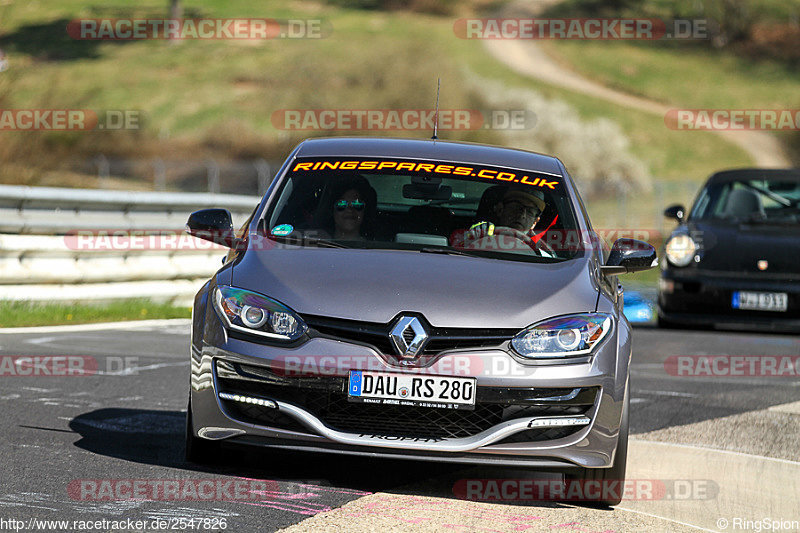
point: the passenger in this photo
(350, 214)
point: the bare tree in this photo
(175, 12)
(175, 9)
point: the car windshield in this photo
(424, 206)
(752, 200)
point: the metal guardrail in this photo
(42, 258)
(48, 210)
(88, 245)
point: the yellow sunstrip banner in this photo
(504, 176)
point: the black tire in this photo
(664, 323)
(198, 450)
(617, 470)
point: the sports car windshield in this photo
(752, 201)
(424, 206)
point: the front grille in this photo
(427, 423)
(329, 404)
(541, 434)
(377, 335)
(263, 416)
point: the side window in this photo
(701, 204)
(722, 200)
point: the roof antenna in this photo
(436, 113)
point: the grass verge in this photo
(202, 97)
(25, 314)
(216, 98)
(719, 78)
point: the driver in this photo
(521, 210)
(517, 213)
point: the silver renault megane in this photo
(416, 299)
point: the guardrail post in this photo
(159, 175)
(660, 205)
(213, 176)
(622, 207)
(264, 173)
(103, 169)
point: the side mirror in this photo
(630, 255)
(675, 211)
(215, 225)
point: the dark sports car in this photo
(733, 261)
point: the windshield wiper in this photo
(306, 241)
(447, 251)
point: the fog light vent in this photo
(248, 399)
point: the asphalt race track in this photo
(726, 447)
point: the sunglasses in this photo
(358, 205)
(531, 211)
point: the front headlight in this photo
(680, 250)
(566, 336)
(257, 314)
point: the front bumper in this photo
(703, 298)
(311, 412)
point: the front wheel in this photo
(664, 323)
(611, 480)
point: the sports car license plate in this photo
(412, 390)
(760, 301)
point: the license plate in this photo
(760, 301)
(411, 390)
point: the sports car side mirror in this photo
(675, 211)
(630, 255)
(215, 225)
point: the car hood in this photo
(733, 247)
(450, 291)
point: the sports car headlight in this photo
(257, 314)
(566, 336)
(680, 250)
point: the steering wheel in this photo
(539, 246)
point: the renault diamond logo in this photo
(408, 336)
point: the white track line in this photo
(100, 326)
(665, 518)
(709, 448)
